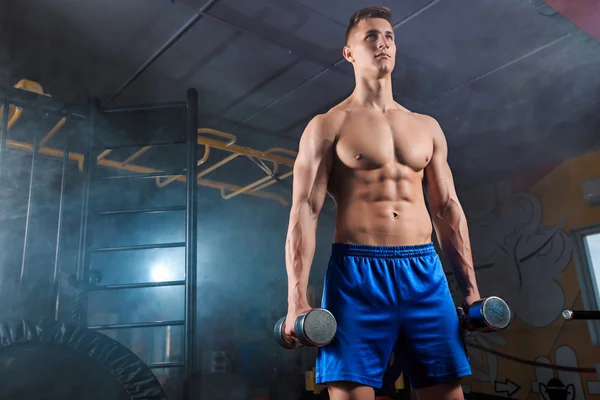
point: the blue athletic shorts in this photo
(390, 299)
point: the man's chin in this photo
(385, 66)
(385, 71)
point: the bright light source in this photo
(160, 273)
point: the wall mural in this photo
(562, 384)
(521, 260)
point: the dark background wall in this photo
(242, 282)
(521, 232)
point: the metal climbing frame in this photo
(190, 243)
(30, 95)
(280, 158)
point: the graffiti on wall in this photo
(565, 385)
(519, 259)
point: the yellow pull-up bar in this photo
(277, 155)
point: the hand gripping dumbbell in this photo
(315, 328)
(489, 314)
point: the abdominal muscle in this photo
(381, 211)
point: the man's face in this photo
(371, 46)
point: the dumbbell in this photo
(489, 314)
(315, 328)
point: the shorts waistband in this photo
(363, 250)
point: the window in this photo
(592, 246)
(587, 261)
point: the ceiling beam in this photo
(166, 46)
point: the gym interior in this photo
(180, 121)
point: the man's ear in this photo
(347, 53)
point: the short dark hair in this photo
(368, 12)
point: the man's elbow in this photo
(305, 208)
(449, 211)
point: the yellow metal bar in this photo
(272, 181)
(31, 86)
(273, 155)
(164, 183)
(103, 154)
(275, 169)
(137, 168)
(217, 165)
(204, 182)
(231, 137)
(214, 184)
(48, 151)
(53, 131)
(282, 150)
(16, 116)
(246, 188)
(201, 161)
(205, 156)
(268, 155)
(246, 151)
(136, 154)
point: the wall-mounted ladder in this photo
(87, 249)
(274, 162)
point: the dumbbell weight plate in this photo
(489, 315)
(316, 327)
(496, 313)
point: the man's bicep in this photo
(312, 165)
(438, 176)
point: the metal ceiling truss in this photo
(299, 55)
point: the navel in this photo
(358, 156)
(395, 214)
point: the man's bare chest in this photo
(372, 142)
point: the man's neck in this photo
(376, 93)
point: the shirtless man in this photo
(384, 283)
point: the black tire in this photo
(56, 360)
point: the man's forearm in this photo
(453, 236)
(299, 252)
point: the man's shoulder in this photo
(328, 123)
(424, 118)
(431, 123)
